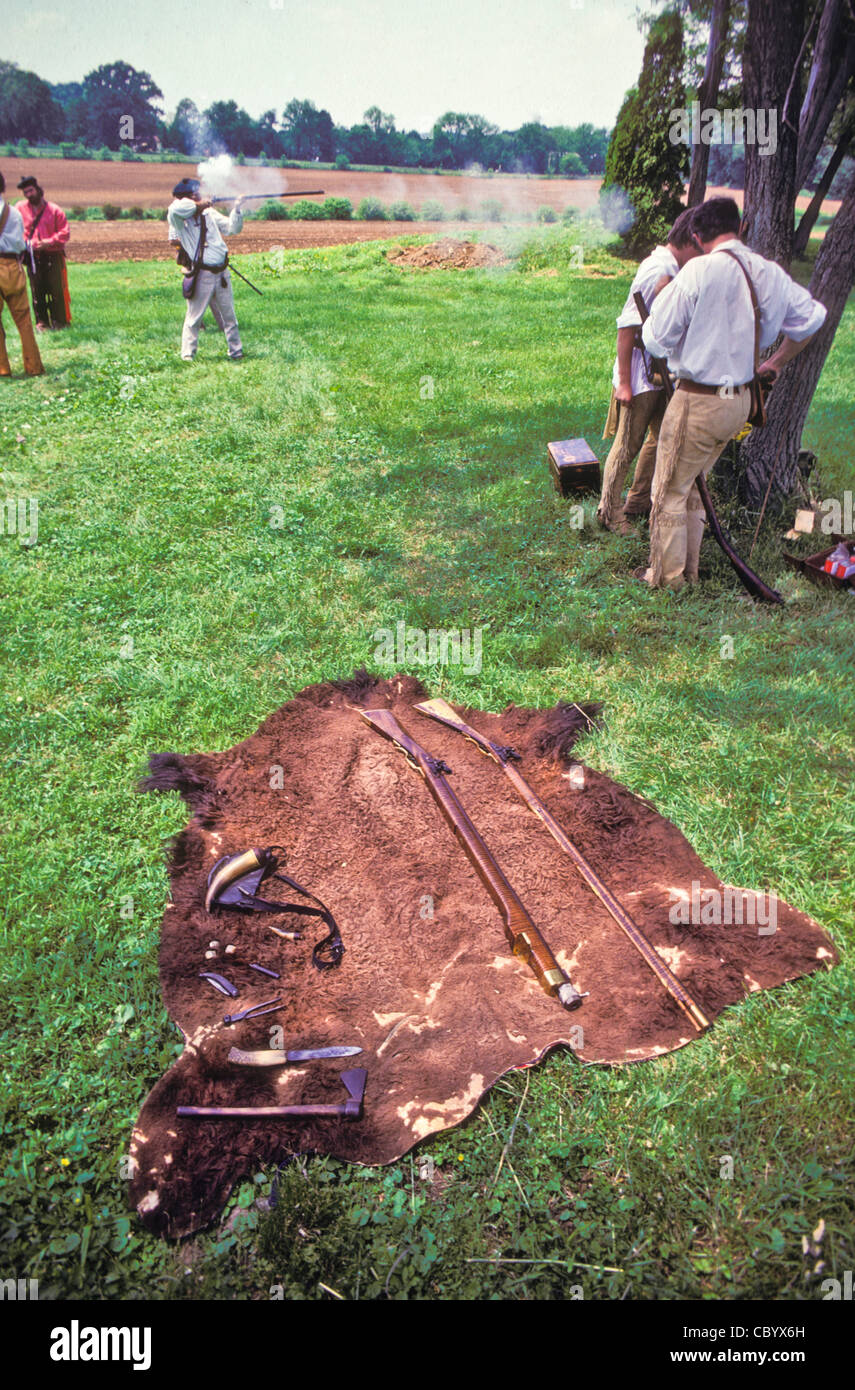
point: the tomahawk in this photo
(444, 714)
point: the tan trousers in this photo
(694, 432)
(630, 424)
(13, 291)
(214, 290)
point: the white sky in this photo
(559, 61)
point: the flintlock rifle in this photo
(524, 937)
(445, 714)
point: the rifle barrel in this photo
(297, 193)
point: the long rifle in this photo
(297, 193)
(524, 938)
(752, 582)
(444, 714)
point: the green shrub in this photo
(22, 149)
(154, 214)
(66, 149)
(460, 214)
(342, 161)
(76, 215)
(111, 211)
(338, 209)
(492, 211)
(570, 215)
(273, 211)
(306, 211)
(240, 158)
(128, 155)
(432, 211)
(136, 214)
(371, 210)
(572, 166)
(401, 212)
(104, 153)
(545, 214)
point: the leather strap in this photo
(755, 305)
(4, 218)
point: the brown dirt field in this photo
(146, 241)
(89, 183)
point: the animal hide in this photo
(427, 987)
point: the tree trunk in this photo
(832, 282)
(832, 66)
(772, 49)
(811, 212)
(708, 96)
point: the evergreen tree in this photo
(644, 164)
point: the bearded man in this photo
(46, 231)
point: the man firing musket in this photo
(199, 232)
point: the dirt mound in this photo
(448, 254)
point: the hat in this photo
(28, 179)
(187, 188)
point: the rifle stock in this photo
(523, 936)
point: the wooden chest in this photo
(574, 466)
(812, 567)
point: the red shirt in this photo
(52, 232)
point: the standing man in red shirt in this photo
(46, 231)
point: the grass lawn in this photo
(213, 537)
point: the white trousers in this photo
(210, 291)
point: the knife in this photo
(275, 1057)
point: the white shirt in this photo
(704, 322)
(12, 241)
(660, 262)
(183, 228)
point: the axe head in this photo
(354, 1083)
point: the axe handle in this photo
(351, 1109)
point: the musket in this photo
(524, 938)
(751, 582)
(297, 193)
(445, 714)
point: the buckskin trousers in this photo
(210, 289)
(694, 431)
(629, 425)
(13, 291)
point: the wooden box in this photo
(574, 466)
(812, 567)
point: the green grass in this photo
(213, 537)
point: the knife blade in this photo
(275, 1057)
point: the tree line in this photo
(116, 105)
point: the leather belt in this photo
(700, 388)
(9, 256)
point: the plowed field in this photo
(91, 183)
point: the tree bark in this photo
(831, 283)
(811, 212)
(772, 49)
(708, 96)
(832, 66)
